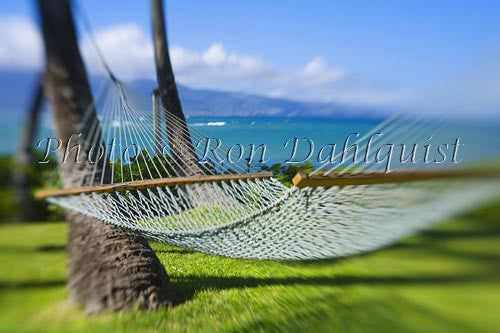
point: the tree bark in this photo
(107, 267)
(179, 140)
(24, 155)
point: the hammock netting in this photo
(260, 217)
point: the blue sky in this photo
(371, 52)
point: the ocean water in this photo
(271, 132)
(312, 138)
(279, 136)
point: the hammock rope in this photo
(231, 212)
(337, 210)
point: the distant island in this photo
(16, 88)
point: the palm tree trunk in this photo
(107, 267)
(181, 148)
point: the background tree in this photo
(24, 156)
(108, 268)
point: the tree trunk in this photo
(24, 156)
(107, 267)
(179, 140)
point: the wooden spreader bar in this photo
(149, 183)
(380, 177)
(299, 180)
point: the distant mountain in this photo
(16, 88)
(203, 102)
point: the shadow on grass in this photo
(187, 286)
(175, 251)
(31, 284)
(460, 234)
(52, 248)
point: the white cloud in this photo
(125, 47)
(129, 52)
(216, 64)
(317, 72)
(20, 43)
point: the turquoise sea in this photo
(272, 132)
(309, 136)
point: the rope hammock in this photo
(229, 210)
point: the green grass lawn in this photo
(444, 280)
